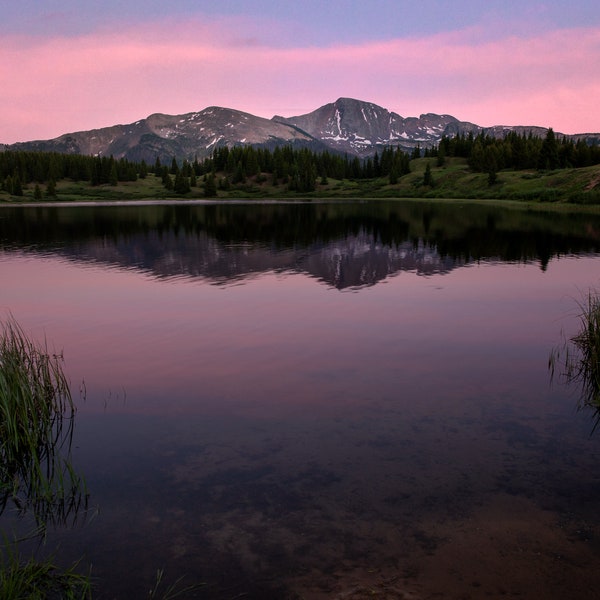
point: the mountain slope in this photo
(183, 136)
(348, 126)
(361, 128)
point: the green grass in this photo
(36, 428)
(26, 578)
(579, 357)
(171, 591)
(453, 180)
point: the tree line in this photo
(19, 168)
(515, 151)
(301, 169)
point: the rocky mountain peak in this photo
(348, 126)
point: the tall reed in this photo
(36, 429)
(579, 357)
(24, 577)
(36, 473)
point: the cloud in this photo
(56, 85)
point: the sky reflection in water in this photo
(285, 340)
(279, 435)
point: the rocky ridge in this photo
(349, 126)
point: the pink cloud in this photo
(53, 86)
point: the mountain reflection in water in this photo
(249, 427)
(345, 245)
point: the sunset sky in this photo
(68, 65)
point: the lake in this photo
(318, 400)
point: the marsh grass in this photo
(172, 591)
(36, 429)
(36, 473)
(579, 357)
(24, 578)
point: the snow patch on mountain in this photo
(347, 125)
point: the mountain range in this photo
(349, 126)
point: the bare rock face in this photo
(346, 126)
(182, 136)
(360, 128)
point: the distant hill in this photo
(349, 126)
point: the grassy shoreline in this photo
(453, 181)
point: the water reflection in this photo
(343, 245)
(278, 439)
(578, 358)
(36, 432)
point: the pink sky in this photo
(53, 85)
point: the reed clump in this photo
(579, 357)
(36, 429)
(27, 577)
(36, 473)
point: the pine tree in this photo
(240, 173)
(8, 184)
(428, 177)
(51, 188)
(549, 152)
(210, 187)
(182, 183)
(113, 178)
(95, 176)
(17, 187)
(441, 154)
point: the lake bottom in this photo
(475, 501)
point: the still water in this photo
(320, 400)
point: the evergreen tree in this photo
(95, 176)
(8, 185)
(51, 188)
(549, 152)
(182, 183)
(428, 177)
(441, 153)
(167, 181)
(17, 187)
(376, 166)
(240, 173)
(210, 186)
(113, 178)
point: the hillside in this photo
(346, 126)
(453, 180)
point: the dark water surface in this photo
(321, 400)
